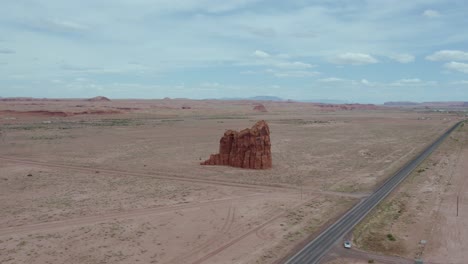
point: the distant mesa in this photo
(266, 98)
(428, 105)
(99, 99)
(255, 98)
(260, 108)
(404, 103)
(248, 149)
(347, 107)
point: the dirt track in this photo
(50, 226)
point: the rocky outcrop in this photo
(260, 108)
(99, 99)
(249, 148)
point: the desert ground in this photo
(120, 181)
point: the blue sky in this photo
(353, 50)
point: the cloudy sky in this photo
(353, 50)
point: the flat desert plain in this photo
(120, 181)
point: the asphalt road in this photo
(317, 248)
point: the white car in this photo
(347, 244)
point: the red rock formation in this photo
(58, 113)
(36, 113)
(249, 148)
(99, 99)
(260, 108)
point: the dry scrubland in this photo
(425, 208)
(127, 187)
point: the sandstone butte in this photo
(260, 108)
(99, 99)
(249, 148)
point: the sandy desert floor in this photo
(120, 182)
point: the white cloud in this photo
(353, 59)
(457, 66)
(279, 61)
(56, 25)
(210, 84)
(293, 65)
(402, 58)
(366, 82)
(448, 55)
(431, 13)
(295, 74)
(248, 72)
(261, 54)
(412, 82)
(331, 79)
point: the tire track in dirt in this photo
(207, 244)
(256, 187)
(153, 175)
(46, 226)
(250, 232)
(264, 234)
(216, 239)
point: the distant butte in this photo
(249, 148)
(260, 108)
(99, 99)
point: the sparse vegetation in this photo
(369, 233)
(222, 117)
(46, 137)
(301, 121)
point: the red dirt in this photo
(36, 113)
(58, 113)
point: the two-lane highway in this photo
(317, 248)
